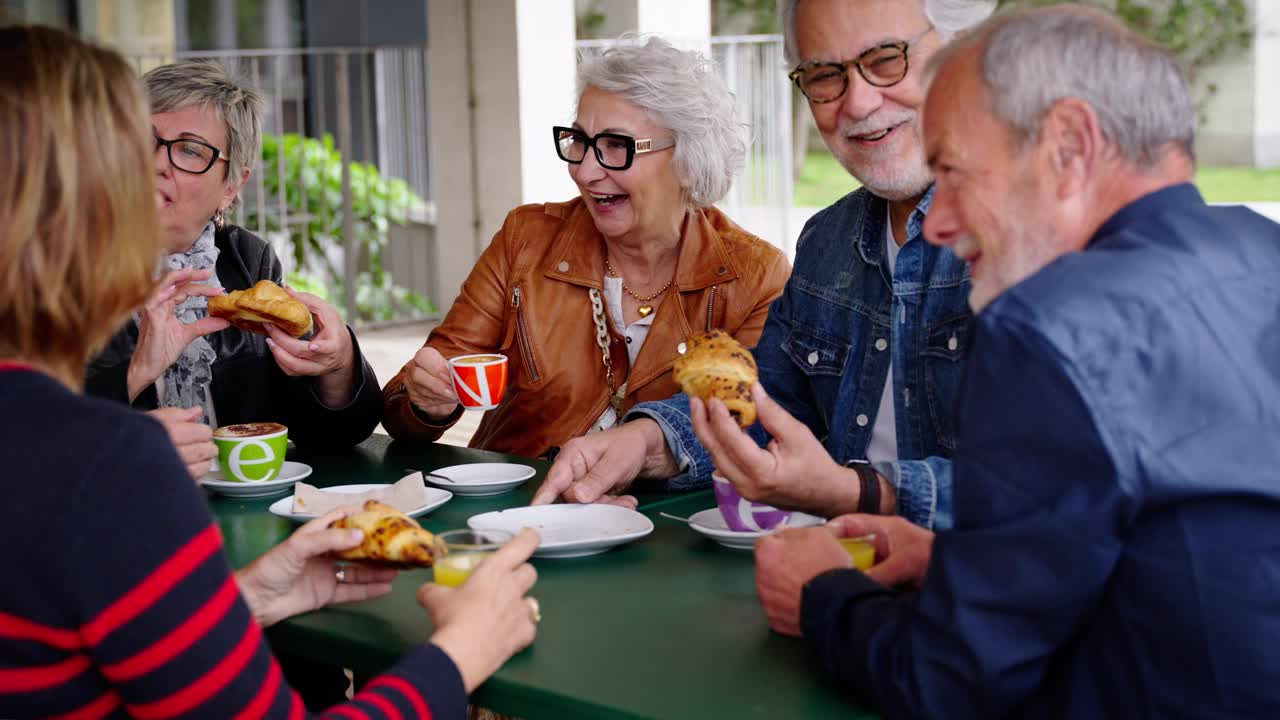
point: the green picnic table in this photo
(668, 626)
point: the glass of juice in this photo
(466, 550)
(862, 550)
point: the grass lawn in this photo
(823, 182)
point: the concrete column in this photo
(1266, 48)
(502, 73)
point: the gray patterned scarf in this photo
(186, 382)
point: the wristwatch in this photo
(869, 497)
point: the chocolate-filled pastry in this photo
(265, 302)
(390, 537)
(716, 365)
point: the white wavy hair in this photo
(682, 92)
(948, 17)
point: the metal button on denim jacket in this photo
(827, 344)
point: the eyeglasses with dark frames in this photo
(191, 156)
(884, 65)
(613, 150)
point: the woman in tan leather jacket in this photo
(592, 299)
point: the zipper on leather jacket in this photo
(711, 306)
(525, 349)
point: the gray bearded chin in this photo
(894, 179)
(898, 183)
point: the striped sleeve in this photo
(157, 627)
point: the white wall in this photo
(451, 162)
(547, 63)
(676, 18)
(1266, 118)
(670, 18)
(502, 72)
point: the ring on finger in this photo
(535, 610)
(341, 575)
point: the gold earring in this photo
(219, 219)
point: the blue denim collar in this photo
(1159, 202)
(871, 234)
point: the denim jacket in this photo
(826, 348)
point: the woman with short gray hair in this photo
(592, 299)
(195, 370)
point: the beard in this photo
(894, 171)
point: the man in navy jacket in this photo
(1116, 549)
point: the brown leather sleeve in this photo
(475, 324)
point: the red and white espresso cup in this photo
(480, 379)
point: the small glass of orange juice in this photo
(466, 550)
(862, 550)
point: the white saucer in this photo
(569, 530)
(711, 524)
(290, 473)
(477, 479)
(284, 506)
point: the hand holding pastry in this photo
(329, 355)
(390, 537)
(795, 471)
(298, 575)
(716, 365)
(161, 335)
(262, 305)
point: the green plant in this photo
(312, 190)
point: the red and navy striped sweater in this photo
(116, 599)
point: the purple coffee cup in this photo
(743, 515)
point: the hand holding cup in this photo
(429, 383)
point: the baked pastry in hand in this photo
(716, 365)
(265, 302)
(390, 538)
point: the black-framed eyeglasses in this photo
(613, 150)
(884, 65)
(191, 156)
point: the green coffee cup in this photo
(251, 452)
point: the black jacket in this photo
(248, 385)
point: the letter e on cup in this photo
(235, 462)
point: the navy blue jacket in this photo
(1116, 552)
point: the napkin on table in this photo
(408, 494)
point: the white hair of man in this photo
(682, 92)
(1033, 58)
(948, 17)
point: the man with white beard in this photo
(866, 345)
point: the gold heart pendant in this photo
(645, 310)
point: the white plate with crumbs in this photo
(569, 530)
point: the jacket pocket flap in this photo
(815, 354)
(948, 339)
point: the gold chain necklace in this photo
(645, 309)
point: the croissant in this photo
(265, 302)
(716, 365)
(390, 537)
